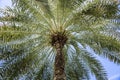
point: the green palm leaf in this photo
(47, 39)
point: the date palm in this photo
(50, 39)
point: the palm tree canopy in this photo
(32, 27)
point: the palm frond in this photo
(28, 30)
(87, 62)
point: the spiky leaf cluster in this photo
(31, 28)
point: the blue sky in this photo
(3, 3)
(112, 69)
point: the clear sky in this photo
(4, 3)
(112, 69)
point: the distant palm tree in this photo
(58, 39)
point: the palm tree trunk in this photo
(59, 65)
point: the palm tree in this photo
(49, 39)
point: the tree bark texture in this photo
(59, 65)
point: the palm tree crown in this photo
(48, 39)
